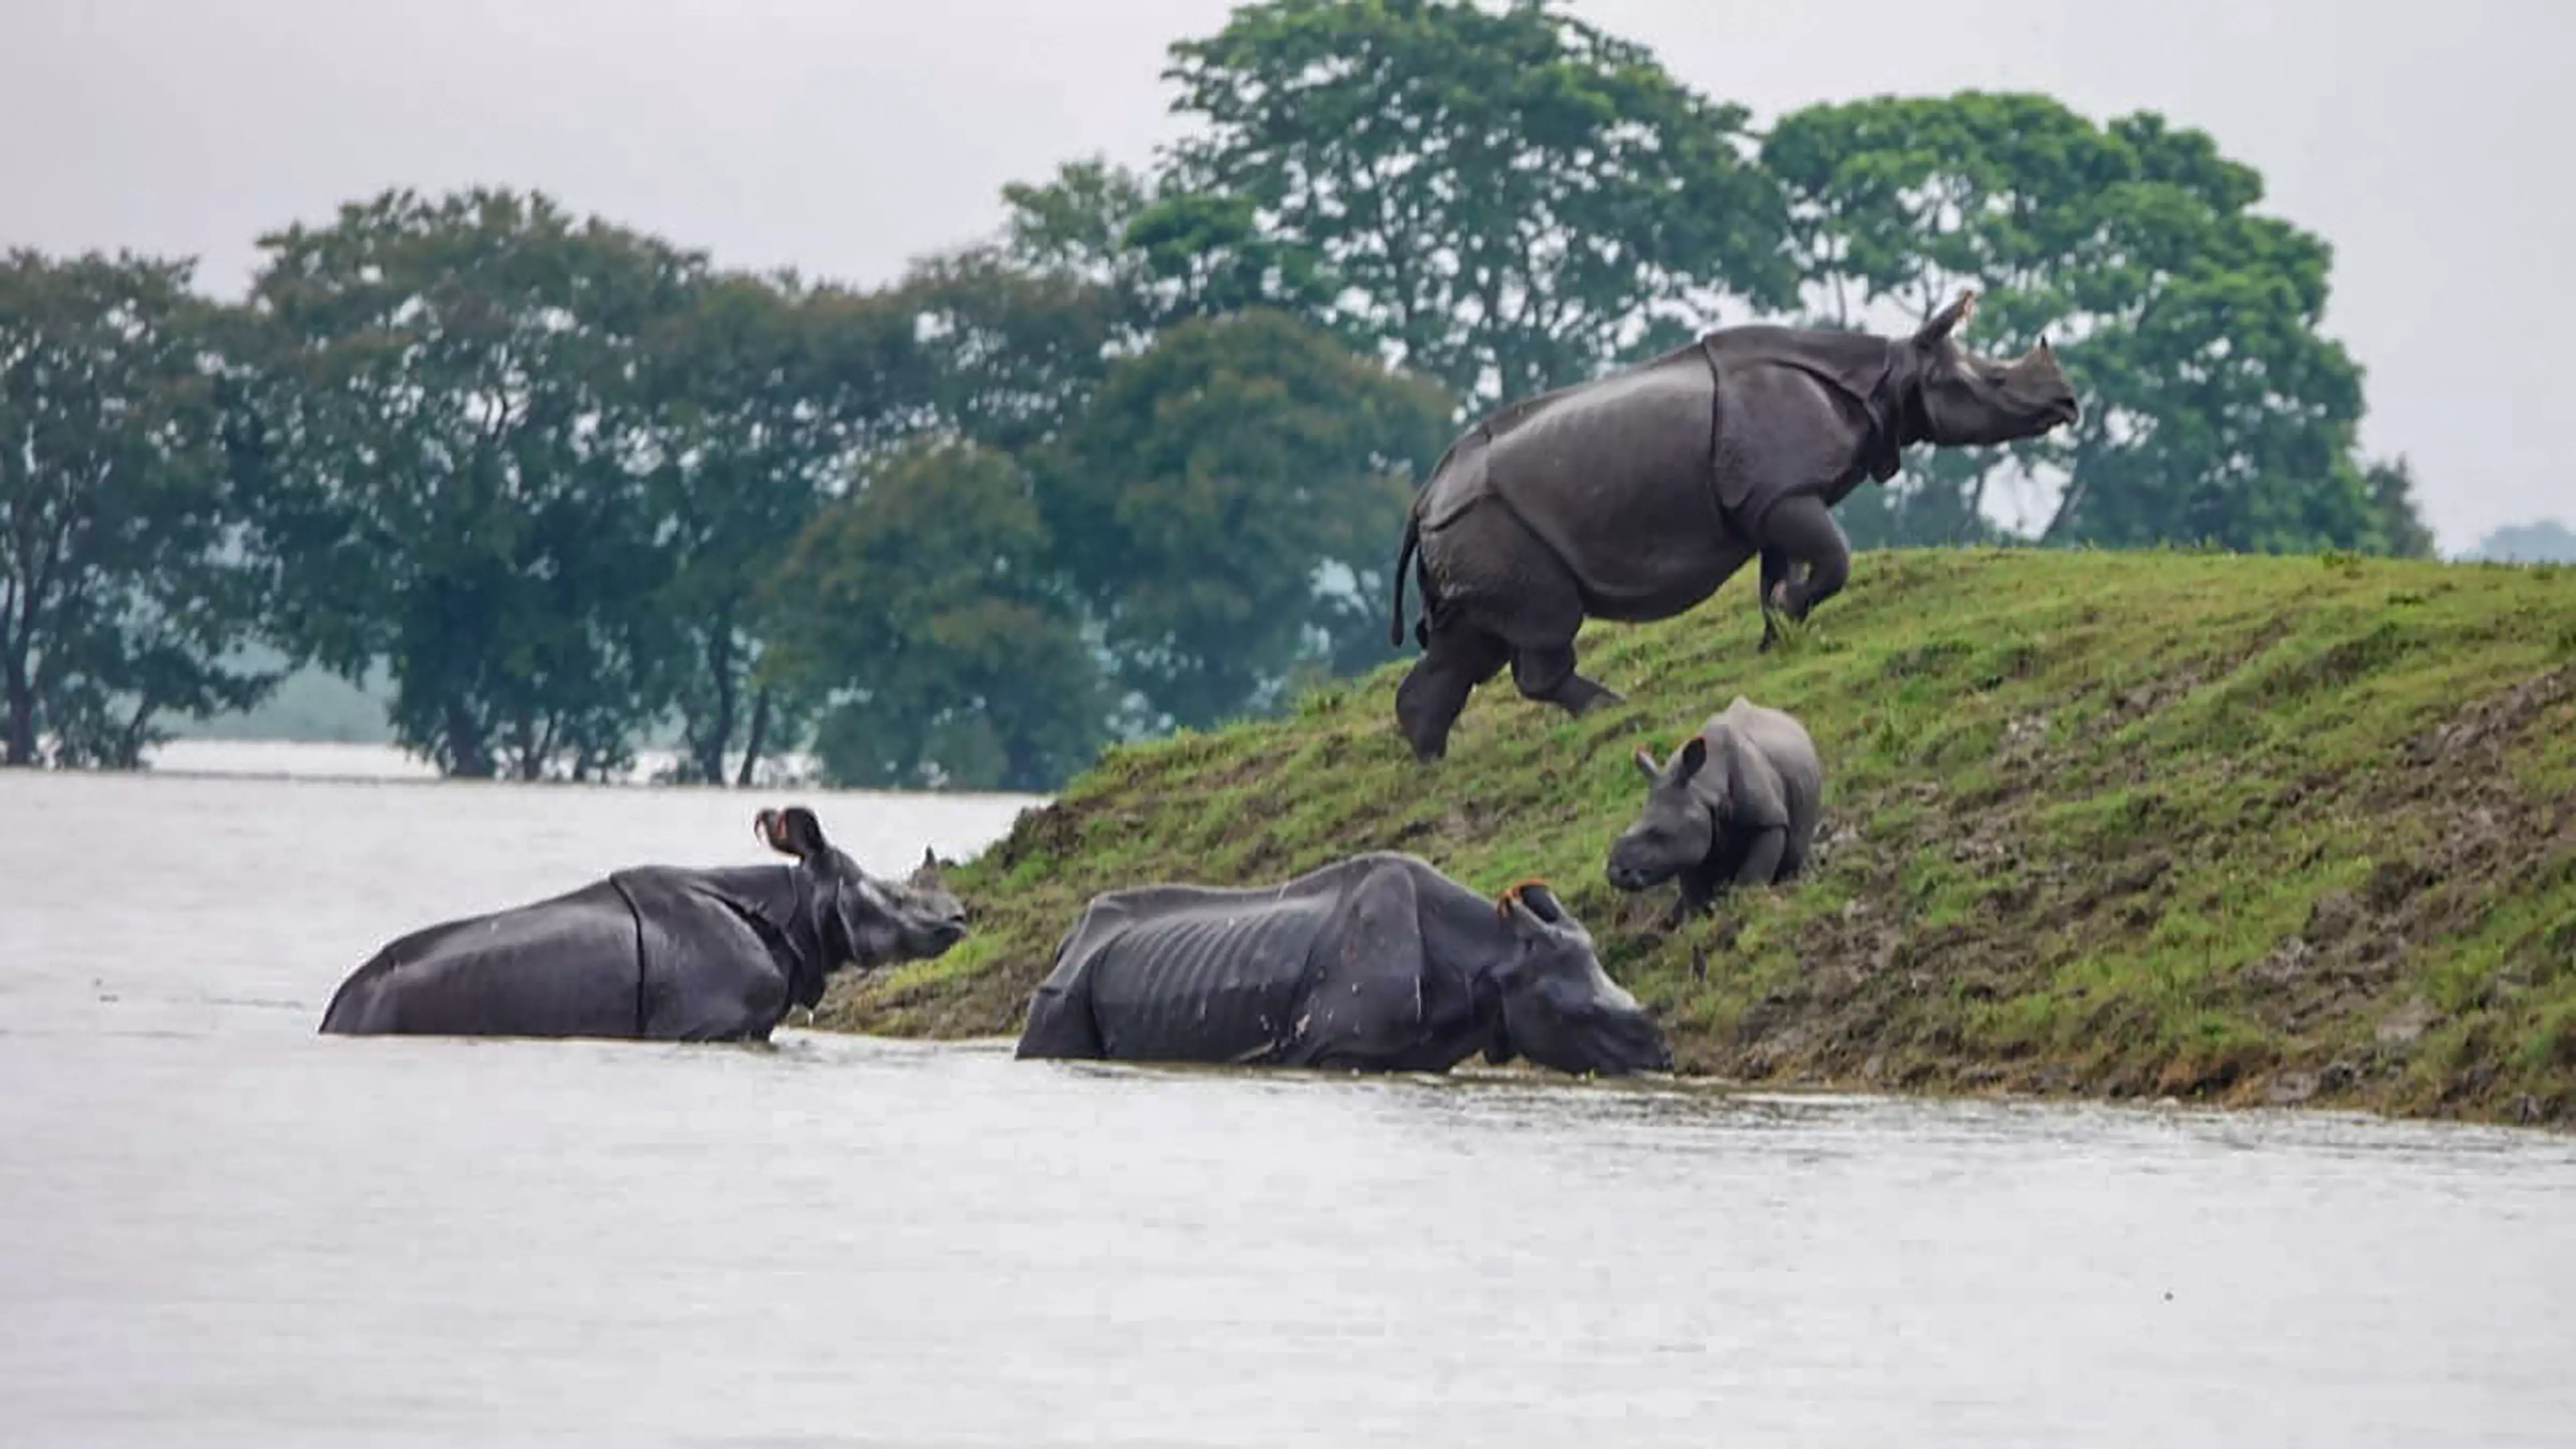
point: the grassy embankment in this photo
(2235, 829)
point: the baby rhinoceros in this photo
(1735, 805)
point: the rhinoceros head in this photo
(1678, 825)
(1560, 1009)
(867, 920)
(1968, 400)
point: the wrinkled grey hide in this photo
(1735, 805)
(1635, 496)
(656, 952)
(1375, 963)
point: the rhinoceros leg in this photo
(1457, 656)
(1493, 593)
(1060, 1026)
(1547, 674)
(1777, 567)
(1802, 529)
(1538, 609)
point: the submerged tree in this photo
(762, 398)
(446, 403)
(127, 569)
(1212, 490)
(921, 613)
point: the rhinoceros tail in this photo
(1403, 561)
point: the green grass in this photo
(2228, 828)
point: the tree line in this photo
(1138, 460)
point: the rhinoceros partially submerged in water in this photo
(1377, 962)
(1633, 497)
(662, 953)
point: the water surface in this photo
(218, 1228)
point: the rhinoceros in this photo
(1634, 496)
(1735, 805)
(1376, 963)
(656, 952)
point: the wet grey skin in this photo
(1635, 496)
(1734, 805)
(657, 952)
(1374, 963)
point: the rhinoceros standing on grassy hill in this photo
(1633, 497)
(1735, 805)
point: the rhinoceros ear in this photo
(1949, 319)
(1539, 901)
(792, 831)
(1532, 900)
(1647, 767)
(1694, 755)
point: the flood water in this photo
(219, 1228)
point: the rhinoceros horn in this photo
(1949, 319)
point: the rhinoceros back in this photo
(1214, 975)
(568, 965)
(1790, 753)
(1614, 478)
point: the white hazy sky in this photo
(2425, 141)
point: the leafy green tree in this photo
(762, 398)
(920, 610)
(447, 405)
(127, 569)
(2402, 531)
(2216, 410)
(1164, 251)
(1507, 199)
(1076, 221)
(1008, 351)
(1217, 488)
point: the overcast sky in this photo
(2427, 142)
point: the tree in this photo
(1009, 352)
(2216, 410)
(919, 609)
(763, 398)
(447, 404)
(2543, 540)
(1508, 200)
(1214, 489)
(127, 568)
(1166, 253)
(2402, 531)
